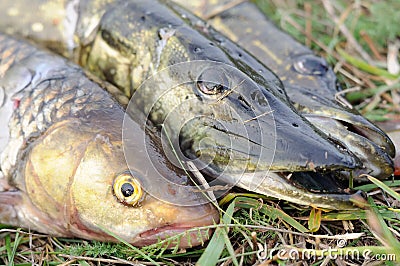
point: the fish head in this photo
(314, 89)
(228, 124)
(79, 184)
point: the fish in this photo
(63, 166)
(232, 119)
(309, 81)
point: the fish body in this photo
(225, 111)
(63, 169)
(309, 81)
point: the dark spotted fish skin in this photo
(309, 81)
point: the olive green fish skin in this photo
(125, 42)
(308, 80)
(64, 152)
(93, 46)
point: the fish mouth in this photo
(188, 234)
(367, 142)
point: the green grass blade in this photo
(365, 66)
(369, 187)
(381, 230)
(7, 240)
(247, 203)
(218, 242)
(230, 249)
(384, 187)
(277, 213)
(357, 215)
(11, 247)
(314, 222)
(231, 196)
(16, 244)
(214, 249)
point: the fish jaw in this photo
(312, 87)
(193, 232)
(317, 103)
(270, 142)
(279, 185)
(187, 230)
(363, 140)
(185, 226)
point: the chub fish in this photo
(62, 162)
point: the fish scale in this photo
(27, 121)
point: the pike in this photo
(309, 81)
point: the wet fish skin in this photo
(152, 24)
(289, 124)
(64, 151)
(308, 80)
(108, 41)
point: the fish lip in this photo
(359, 125)
(367, 142)
(193, 228)
(277, 185)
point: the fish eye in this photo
(210, 88)
(128, 189)
(212, 82)
(310, 65)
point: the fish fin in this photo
(4, 185)
(9, 200)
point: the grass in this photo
(258, 230)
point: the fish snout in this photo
(366, 141)
(315, 96)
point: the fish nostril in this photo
(295, 125)
(244, 103)
(310, 65)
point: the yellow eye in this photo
(128, 189)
